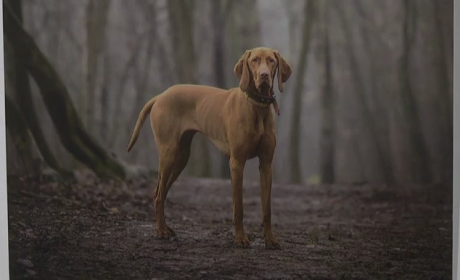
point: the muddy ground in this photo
(105, 230)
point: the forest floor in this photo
(92, 229)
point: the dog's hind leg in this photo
(167, 155)
(181, 160)
(182, 157)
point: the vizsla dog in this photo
(239, 122)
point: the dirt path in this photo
(104, 230)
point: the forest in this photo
(366, 118)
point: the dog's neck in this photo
(260, 99)
(264, 97)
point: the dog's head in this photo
(258, 67)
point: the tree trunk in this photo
(218, 21)
(96, 21)
(445, 85)
(120, 90)
(243, 27)
(56, 98)
(371, 123)
(104, 98)
(309, 12)
(27, 160)
(24, 100)
(248, 24)
(421, 162)
(142, 74)
(105, 114)
(379, 92)
(181, 17)
(327, 142)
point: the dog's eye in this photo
(271, 60)
(255, 59)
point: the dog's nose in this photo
(264, 75)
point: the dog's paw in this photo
(272, 244)
(242, 242)
(165, 233)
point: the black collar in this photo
(260, 98)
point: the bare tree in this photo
(56, 97)
(26, 158)
(142, 72)
(421, 162)
(23, 97)
(328, 137)
(371, 123)
(219, 14)
(96, 21)
(445, 79)
(374, 47)
(243, 27)
(294, 148)
(181, 18)
(120, 87)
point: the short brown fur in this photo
(237, 127)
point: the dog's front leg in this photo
(237, 167)
(266, 173)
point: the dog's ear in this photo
(284, 70)
(242, 71)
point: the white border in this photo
(4, 267)
(456, 143)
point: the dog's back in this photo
(182, 102)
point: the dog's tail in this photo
(140, 121)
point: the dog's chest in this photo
(261, 122)
(256, 133)
(259, 125)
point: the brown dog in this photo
(238, 122)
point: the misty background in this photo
(369, 99)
